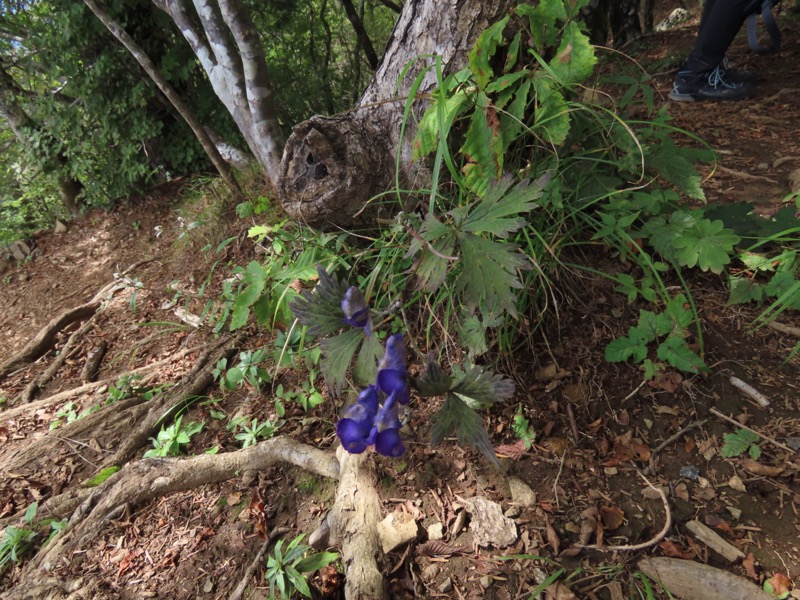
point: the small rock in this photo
(488, 525)
(486, 581)
(446, 586)
(458, 524)
(208, 586)
(521, 493)
(735, 512)
(60, 227)
(395, 530)
(430, 572)
(794, 181)
(690, 472)
(435, 531)
(512, 512)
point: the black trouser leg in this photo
(721, 21)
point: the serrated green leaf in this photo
(483, 50)
(492, 214)
(483, 146)
(657, 325)
(743, 290)
(552, 112)
(488, 275)
(338, 352)
(707, 244)
(472, 335)
(755, 261)
(782, 283)
(673, 164)
(433, 381)
(468, 424)
(321, 310)
(738, 442)
(754, 451)
(543, 18)
(432, 268)
(366, 367)
(481, 388)
(676, 353)
(679, 311)
(623, 348)
(433, 125)
(574, 60)
(513, 53)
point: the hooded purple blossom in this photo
(364, 425)
(392, 373)
(356, 311)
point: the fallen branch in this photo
(44, 378)
(44, 340)
(147, 479)
(651, 542)
(94, 358)
(746, 176)
(256, 563)
(776, 443)
(354, 526)
(671, 439)
(750, 391)
(795, 331)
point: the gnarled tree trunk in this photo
(332, 166)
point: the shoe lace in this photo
(716, 78)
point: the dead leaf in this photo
(588, 525)
(331, 581)
(669, 382)
(552, 537)
(780, 584)
(749, 566)
(613, 517)
(737, 484)
(721, 524)
(682, 492)
(757, 468)
(671, 550)
(513, 451)
(559, 591)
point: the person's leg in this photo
(721, 21)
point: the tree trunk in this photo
(332, 166)
(623, 18)
(166, 89)
(228, 48)
(19, 122)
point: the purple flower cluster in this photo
(369, 422)
(356, 311)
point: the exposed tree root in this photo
(32, 407)
(44, 378)
(161, 407)
(44, 340)
(146, 479)
(354, 520)
(50, 588)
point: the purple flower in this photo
(356, 311)
(392, 373)
(364, 425)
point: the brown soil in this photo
(591, 422)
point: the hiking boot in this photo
(690, 86)
(735, 76)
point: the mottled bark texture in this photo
(332, 166)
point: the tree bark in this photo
(228, 48)
(332, 166)
(168, 91)
(361, 33)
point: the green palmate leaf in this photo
(707, 244)
(657, 325)
(783, 283)
(634, 346)
(256, 277)
(338, 352)
(483, 50)
(366, 367)
(574, 60)
(480, 388)
(679, 311)
(755, 261)
(676, 353)
(468, 424)
(543, 18)
(739, 442)
(498, 210)
(552, 113)
(483, 146)
(321, 310)
(433, 381)
(513, 119)
(744, 290)
(472, 335)
(488, 274)
(432, 268)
